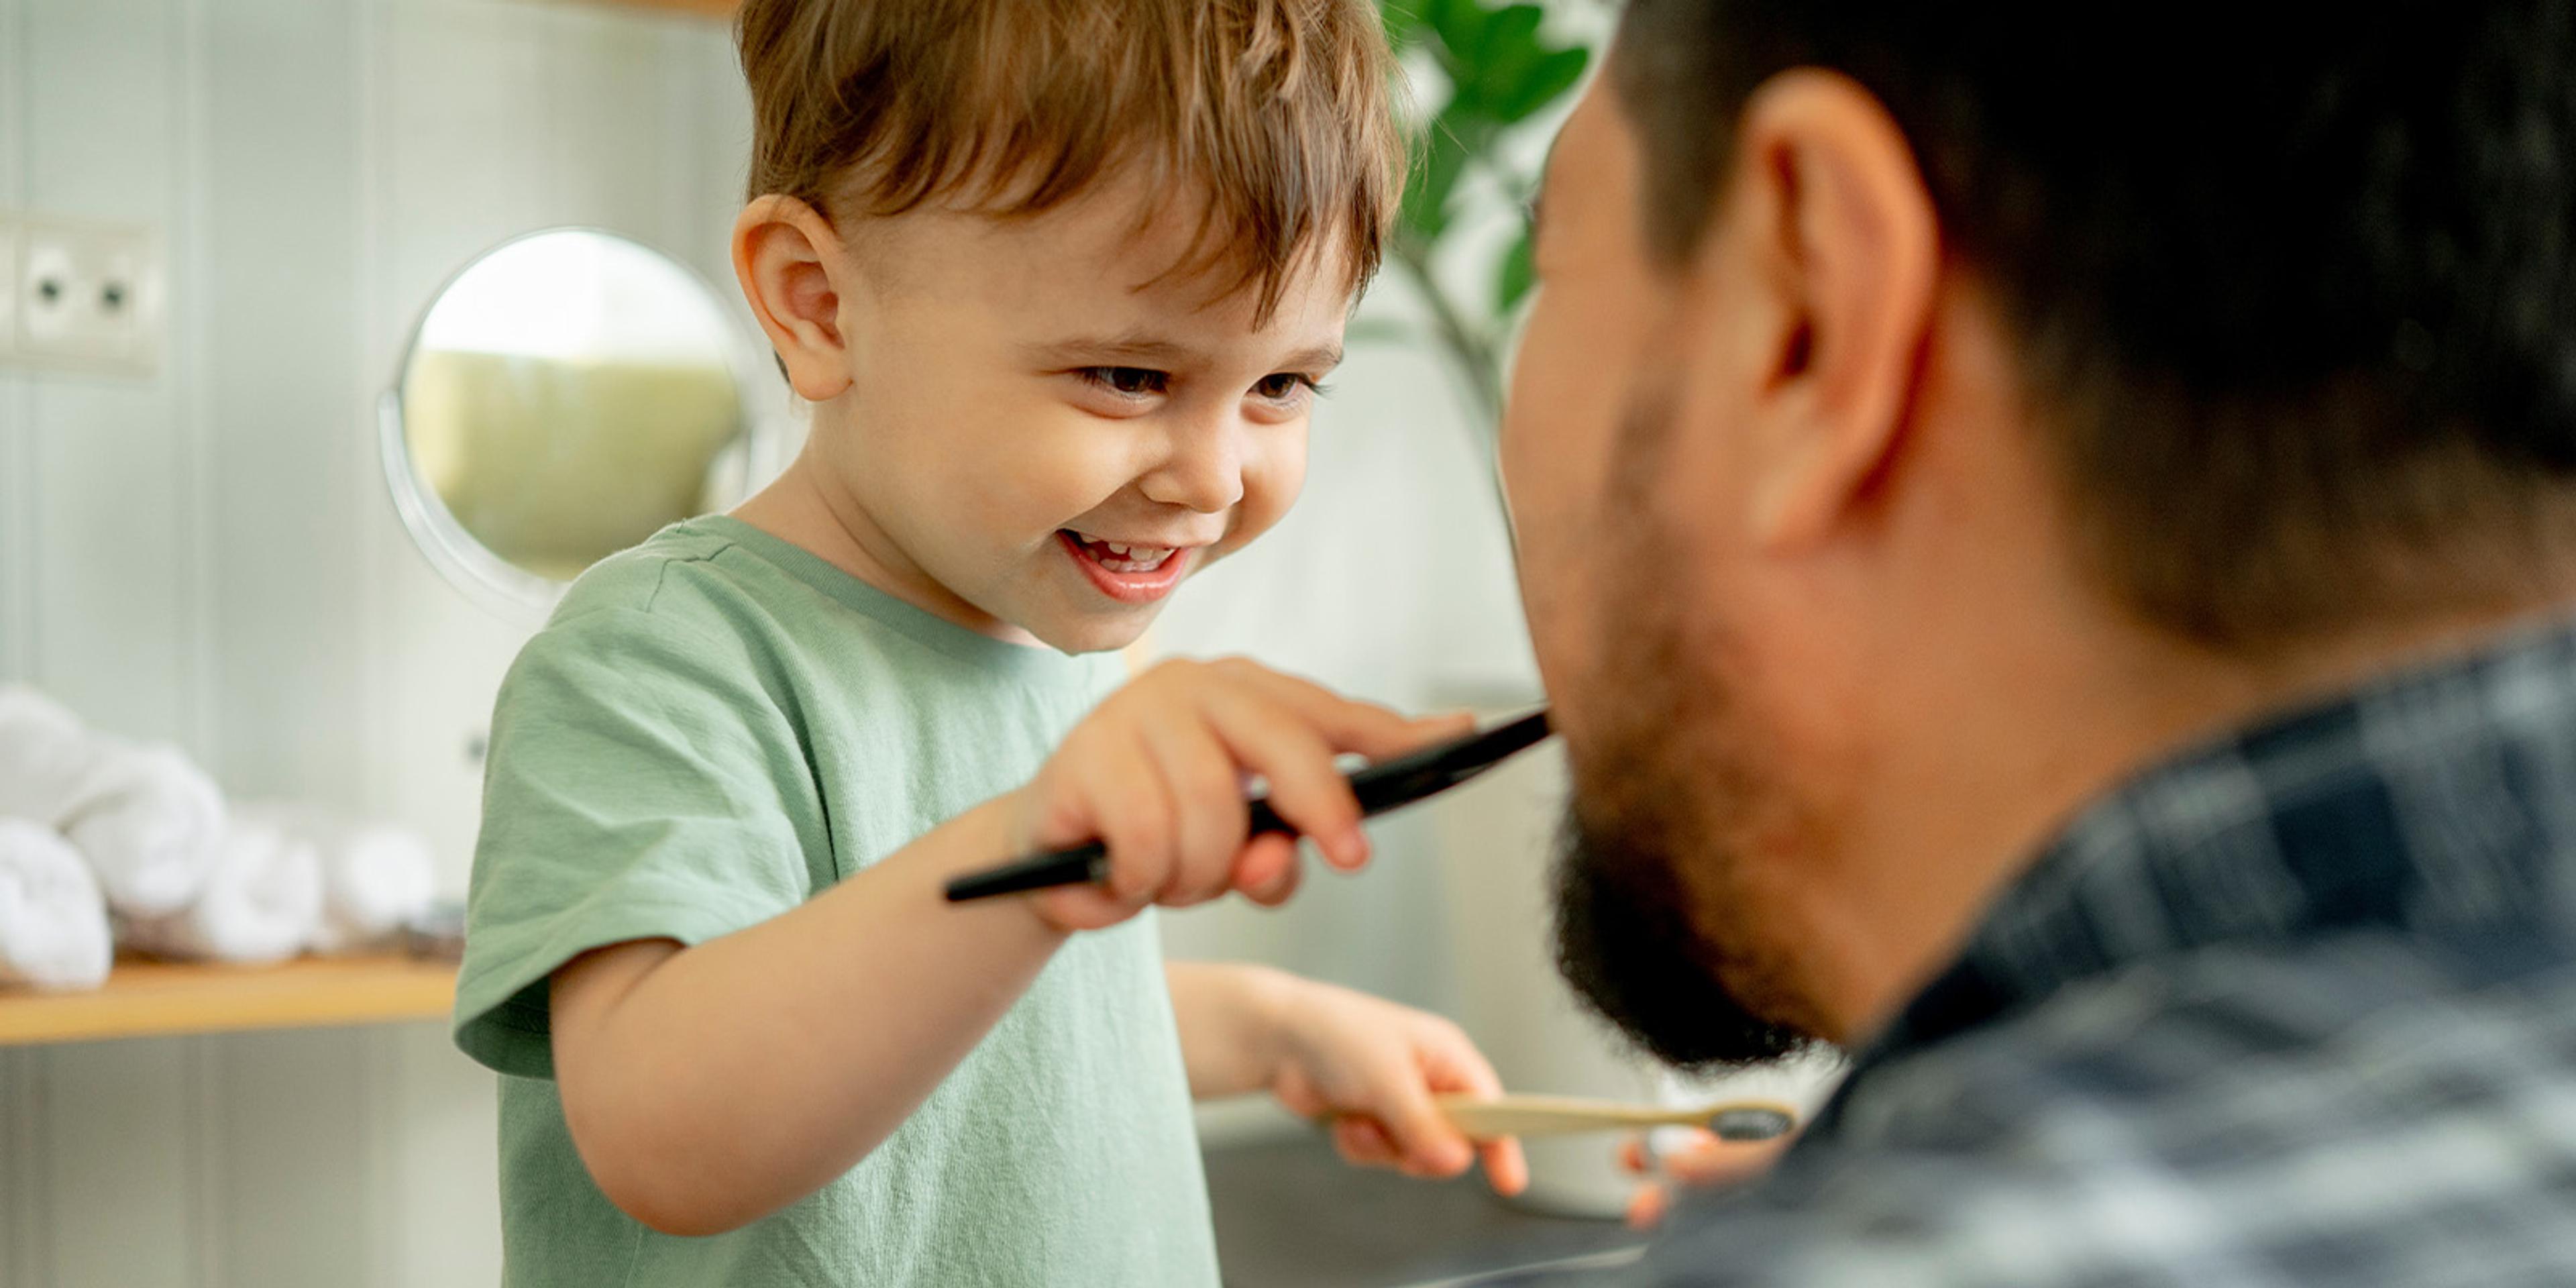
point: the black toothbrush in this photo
(1380, 787)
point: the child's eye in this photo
(1134, 382)
(1285, 386)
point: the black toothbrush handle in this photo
(1378, 788)
(1080, 863)
(1072, 865)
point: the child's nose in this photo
(1201, 466)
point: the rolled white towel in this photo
(151, 824)
(376, 878)
(53, 922)
(46, 758)
(261, 903)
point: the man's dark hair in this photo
(2296, 289)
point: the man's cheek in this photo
(1533, 480)
(1529, 410)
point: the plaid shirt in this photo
(2295, 1008)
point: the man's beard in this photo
(1656, 925)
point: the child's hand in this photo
(1158, 772)
(1371, 1067)
(1701, 1160)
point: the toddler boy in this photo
(1060, 280)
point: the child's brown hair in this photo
(1276, 115)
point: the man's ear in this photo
(1853, 245)
(785, 253)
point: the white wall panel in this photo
(111, 630)
(118, 1202)
(209, 556)
(607, 155)
(711, 118)
(439, 1128)
(17, 442)
(114, 628)
(291, 1159)
(281, 336)
(23, 1245)
(462, 160)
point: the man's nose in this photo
(1201, 465)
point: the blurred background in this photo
(198, 545)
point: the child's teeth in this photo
(1119, 556)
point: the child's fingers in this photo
(1711, 1161)
(1632, 1154)
(1133, 809)
(1350, 725)
(1428, 1143)
(1451, 1062)
(1298, 1093)
(1362, 1143)
(1506, 1167)
(1209, 814)
(1268, 871)
(1084, 907)
(1646, 1207)
(1699, 1158)
(1305, 787)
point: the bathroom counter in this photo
(1290, 1213)
(159, 999)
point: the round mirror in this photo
(565, 395)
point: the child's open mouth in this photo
(1128, 573)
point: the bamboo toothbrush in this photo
(1488, 1117)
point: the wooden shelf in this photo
(161, 999)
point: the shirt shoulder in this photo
(2339, 1112)
(692, 618)
(678, 580)
(645, 778)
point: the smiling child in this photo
(1060, 281)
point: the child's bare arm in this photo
(1367, 1067)
(708, 1086)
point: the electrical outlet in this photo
(89, 296)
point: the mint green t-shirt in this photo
(715, 727)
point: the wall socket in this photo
(82, 296)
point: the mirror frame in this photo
(465, 562)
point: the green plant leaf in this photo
(1499, 67)
(1546, 80)
(1507, 60)
(1501, 71)
(1512, 28)
(1403, 22)
(1446, 146)
(1461, 26)
(1514, 277)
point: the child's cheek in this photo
(1271, 482)
(1050, 481)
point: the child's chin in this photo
(1099, 635)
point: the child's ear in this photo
(785, 252)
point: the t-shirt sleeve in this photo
(640, 785)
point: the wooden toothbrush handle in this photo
(1488, 1117)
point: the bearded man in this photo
(2052, 545)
